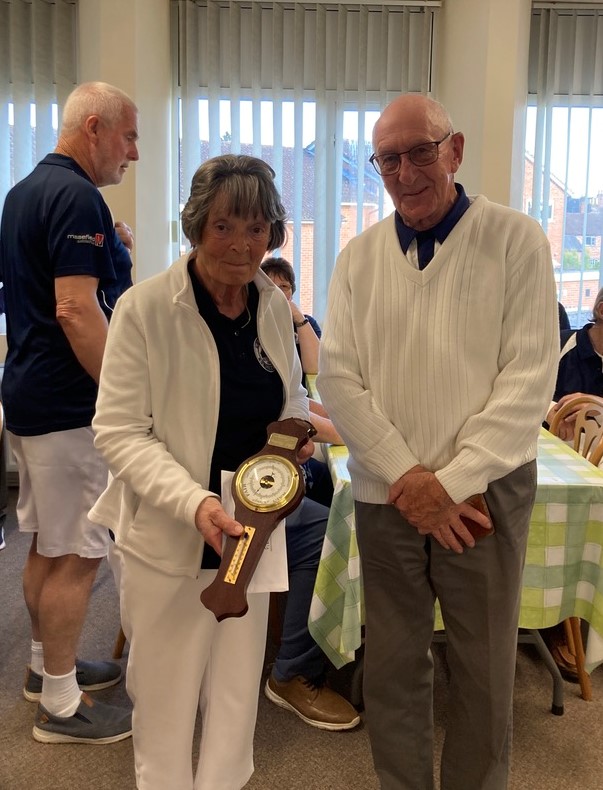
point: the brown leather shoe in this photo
(318, 706)
(566, 662)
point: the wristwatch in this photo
(299, 324)
(266, 487)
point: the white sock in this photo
(37, 657)
(60, 693)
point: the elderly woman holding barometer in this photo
(199, 361)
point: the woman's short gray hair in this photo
(94, 98)
(247, 186)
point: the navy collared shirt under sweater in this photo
(439, 232)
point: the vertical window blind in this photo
(564, 155)
(300, 85)
(37, 71)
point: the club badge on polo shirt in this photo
(96, 239)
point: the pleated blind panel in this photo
(37, 73)
(305, 46)
(564, 162)
(566, 55)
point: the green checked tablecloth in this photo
(563, 576)
(336, 613)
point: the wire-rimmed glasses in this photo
(420, 155)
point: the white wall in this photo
(480, 76)
(127, 43)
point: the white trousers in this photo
(180, 658)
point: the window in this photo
(374, 202)
(37, 72)
(37, 66)
(564, 155)
(540, 213)
(301, 86)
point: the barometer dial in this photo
(267, 482)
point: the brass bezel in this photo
(282, 501)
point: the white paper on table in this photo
(271, 574)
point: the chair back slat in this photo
(588, 429)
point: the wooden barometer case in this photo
(266, 488)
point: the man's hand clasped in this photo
(420, 497)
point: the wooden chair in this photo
(588, 441)
(588, 431)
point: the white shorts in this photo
(61, 475)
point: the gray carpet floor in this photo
(550, 752)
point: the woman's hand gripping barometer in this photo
(266, 488)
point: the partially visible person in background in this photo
(298, 678)
(3, 479)
(579, 373)
(564, 322)
(580, 370)
(319, 486)
(307, 330)
(63, 265)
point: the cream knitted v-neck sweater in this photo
(451, 367)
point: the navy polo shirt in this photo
(251, 390)
(55, 223)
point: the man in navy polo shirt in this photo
(63, 264)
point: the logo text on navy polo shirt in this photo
(86, 238)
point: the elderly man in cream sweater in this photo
(437, 365)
